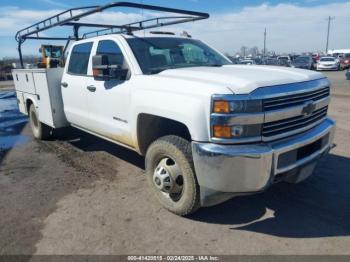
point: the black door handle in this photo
(91, 88)
(64, 84)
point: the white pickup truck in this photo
(209, 130)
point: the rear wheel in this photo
(170, 173)
(39, 129)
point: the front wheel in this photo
(170, 173)
(40, 130)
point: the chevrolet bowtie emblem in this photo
(308, 108)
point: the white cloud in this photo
(290, 27)
(13, 18)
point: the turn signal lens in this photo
(221, 107)
(222, 131)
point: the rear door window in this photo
(79, 59)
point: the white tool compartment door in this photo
(44, 103)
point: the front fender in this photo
(192, 111)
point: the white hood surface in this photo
(243, 79)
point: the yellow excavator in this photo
(51, 56)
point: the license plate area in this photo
(289, 158)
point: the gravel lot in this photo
(82, 195)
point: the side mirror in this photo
(102, 70)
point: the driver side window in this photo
(112, 50)
(115, 55)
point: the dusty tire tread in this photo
(182, 147)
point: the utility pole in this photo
(265, 42)
(329, 27)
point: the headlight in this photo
(234, 118)
(236, 106)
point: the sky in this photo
(292, 26)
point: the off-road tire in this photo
(180, 151)
(39, 129)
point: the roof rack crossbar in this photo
(50, 38)
(131, 27)
(98, 25)
(62, 19)
(71, 16)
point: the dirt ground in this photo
(81, 195)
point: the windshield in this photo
(156, 54)
(327, 59)
(302, 59)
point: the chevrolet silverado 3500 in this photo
(209, 130)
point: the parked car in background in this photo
(234, 60)
(316, 57)
(345, 61)
(284, 61)
(258, 61)
(293, 57)
(304, 62)
(348, 74)
(328, 63)
(314, 62)
(270, 61)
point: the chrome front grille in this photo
(299, 123)
(281, 102)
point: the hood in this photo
(243, 79)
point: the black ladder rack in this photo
(68, 18)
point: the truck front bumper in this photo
(224, 171)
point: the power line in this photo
(329, 27)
